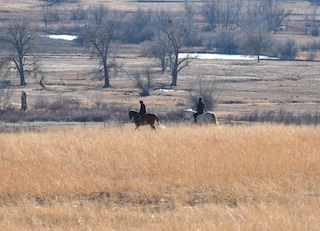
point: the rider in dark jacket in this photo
(143, 109)
(200, 107)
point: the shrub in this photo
(280, 116)
(311, 45)
(145, 84)
(61, 103)
(139, 27)
(287, 49)
(225, 41)
(206, 89)
(314, 31)
(194, 38)
(79, 13)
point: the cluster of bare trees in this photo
(59, 1)
(164, 34)
(240, 14)
(104, 31)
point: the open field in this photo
(108, 176)
(261, 177)
(241, 87)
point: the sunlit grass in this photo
(262, 177)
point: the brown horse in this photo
(145, 119)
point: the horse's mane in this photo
(189, 109)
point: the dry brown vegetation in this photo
(243, 88)
(261, 177)
(110, 177)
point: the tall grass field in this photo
(244, 177)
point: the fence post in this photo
(24, 101)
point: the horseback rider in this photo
(200, 107)
(143, 109)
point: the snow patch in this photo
(222, 56)
(62, 37)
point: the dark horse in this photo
(145, 119)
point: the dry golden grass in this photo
(259, 177)
(242, 87)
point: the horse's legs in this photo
(152, 126)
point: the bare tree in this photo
(210, 13)
(224, 14)
(266, 13)
(101, 36)
(139, 27)
(159, 49)
(274, 14)
(255, 41)
(314, 23)
(18, 39)
(174, 32)
(193, 34)
(98, 14)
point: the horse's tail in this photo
(159, 124)
(214, 120)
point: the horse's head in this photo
(188, 115)
(133, 115)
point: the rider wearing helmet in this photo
(200, 107)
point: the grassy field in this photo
(260, 177)
(241, 87)
(108, 176)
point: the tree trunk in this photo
(21, 73)
(163, 65)
(174, 74)
(22, 79)
(106, 75)
(174, 71)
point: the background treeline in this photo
(217, 25)
(228, 27)
(246, 27)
